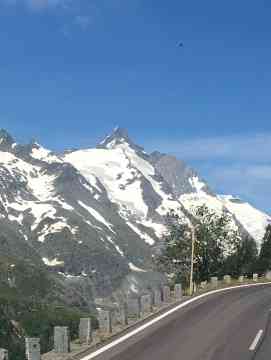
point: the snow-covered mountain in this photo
(99, 213)
(131, 181)
(192, 191)
(252, 219)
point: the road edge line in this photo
(164, 315)
(256, 340)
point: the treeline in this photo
(30, 307)
(219, 248)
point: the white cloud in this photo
(249, 181)
(79, 13)
(251, 147)
(74, 14)
(247, 178)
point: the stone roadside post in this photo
(85, 331)
(133, 308)
(62, 342)
(214, 281)
(123, 311)
(227, 279)
(166, 294)
(255, 277)
(146, 304)
(3, 354)
(105, 321)
(157, 297)
(178, 292)
(32, 348)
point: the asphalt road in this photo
(222, 326)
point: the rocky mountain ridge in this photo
(95, 217)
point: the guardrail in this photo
(120, 317)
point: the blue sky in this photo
(71, 70)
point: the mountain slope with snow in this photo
(142, 196)
(192, 191)
(253, 220)
(244, 217)
(69, 221)
(99, 214)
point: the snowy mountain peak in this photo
(118, 137)
(6, 140)
(121, 133)
(40, 153)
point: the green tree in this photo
(175, 256)
(264, 262)
(215, 242)
(244, 260)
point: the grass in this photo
(31, 302)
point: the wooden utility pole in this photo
(191, 287)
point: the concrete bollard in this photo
(166, 294)
(3, 354)
(157, 297)
(114, 316)
(255, 277)
(214, 281)
(241, 279)
(123, 314)
(178, 291)
(151, 292)
(146, 304)
(62, 339)
(268, 275)
(32, 348)
(227, 279)
(195, 288)
(85, 331)
(133, 308)
(105, 321)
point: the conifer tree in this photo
(244, 260)
(175, 257)
(264, 263)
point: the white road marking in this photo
(161, 317)
(256, 340)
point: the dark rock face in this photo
(177, 174)
(6, 140)
(12, 243)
